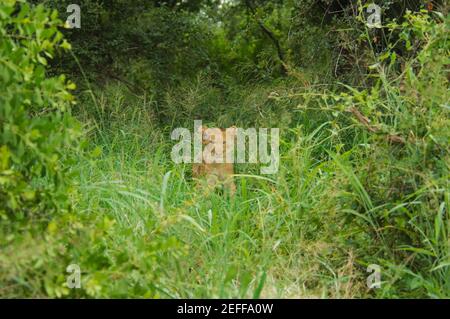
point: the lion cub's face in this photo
(210, 135)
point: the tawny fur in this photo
(213, 175)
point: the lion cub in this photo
(213, 171)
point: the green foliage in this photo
(397, 166)
(36, 126)
(118, 39)
(414, 106)
(364, 168)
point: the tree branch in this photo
(270, 35)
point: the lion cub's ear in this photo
(231, 131)
(202, 129)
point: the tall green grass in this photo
(275, 238)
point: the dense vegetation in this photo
(86, 176)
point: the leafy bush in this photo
(118, 39)
(397, 162)
(36, 125)
(44, 227)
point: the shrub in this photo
(401, 164)
(36, 125)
